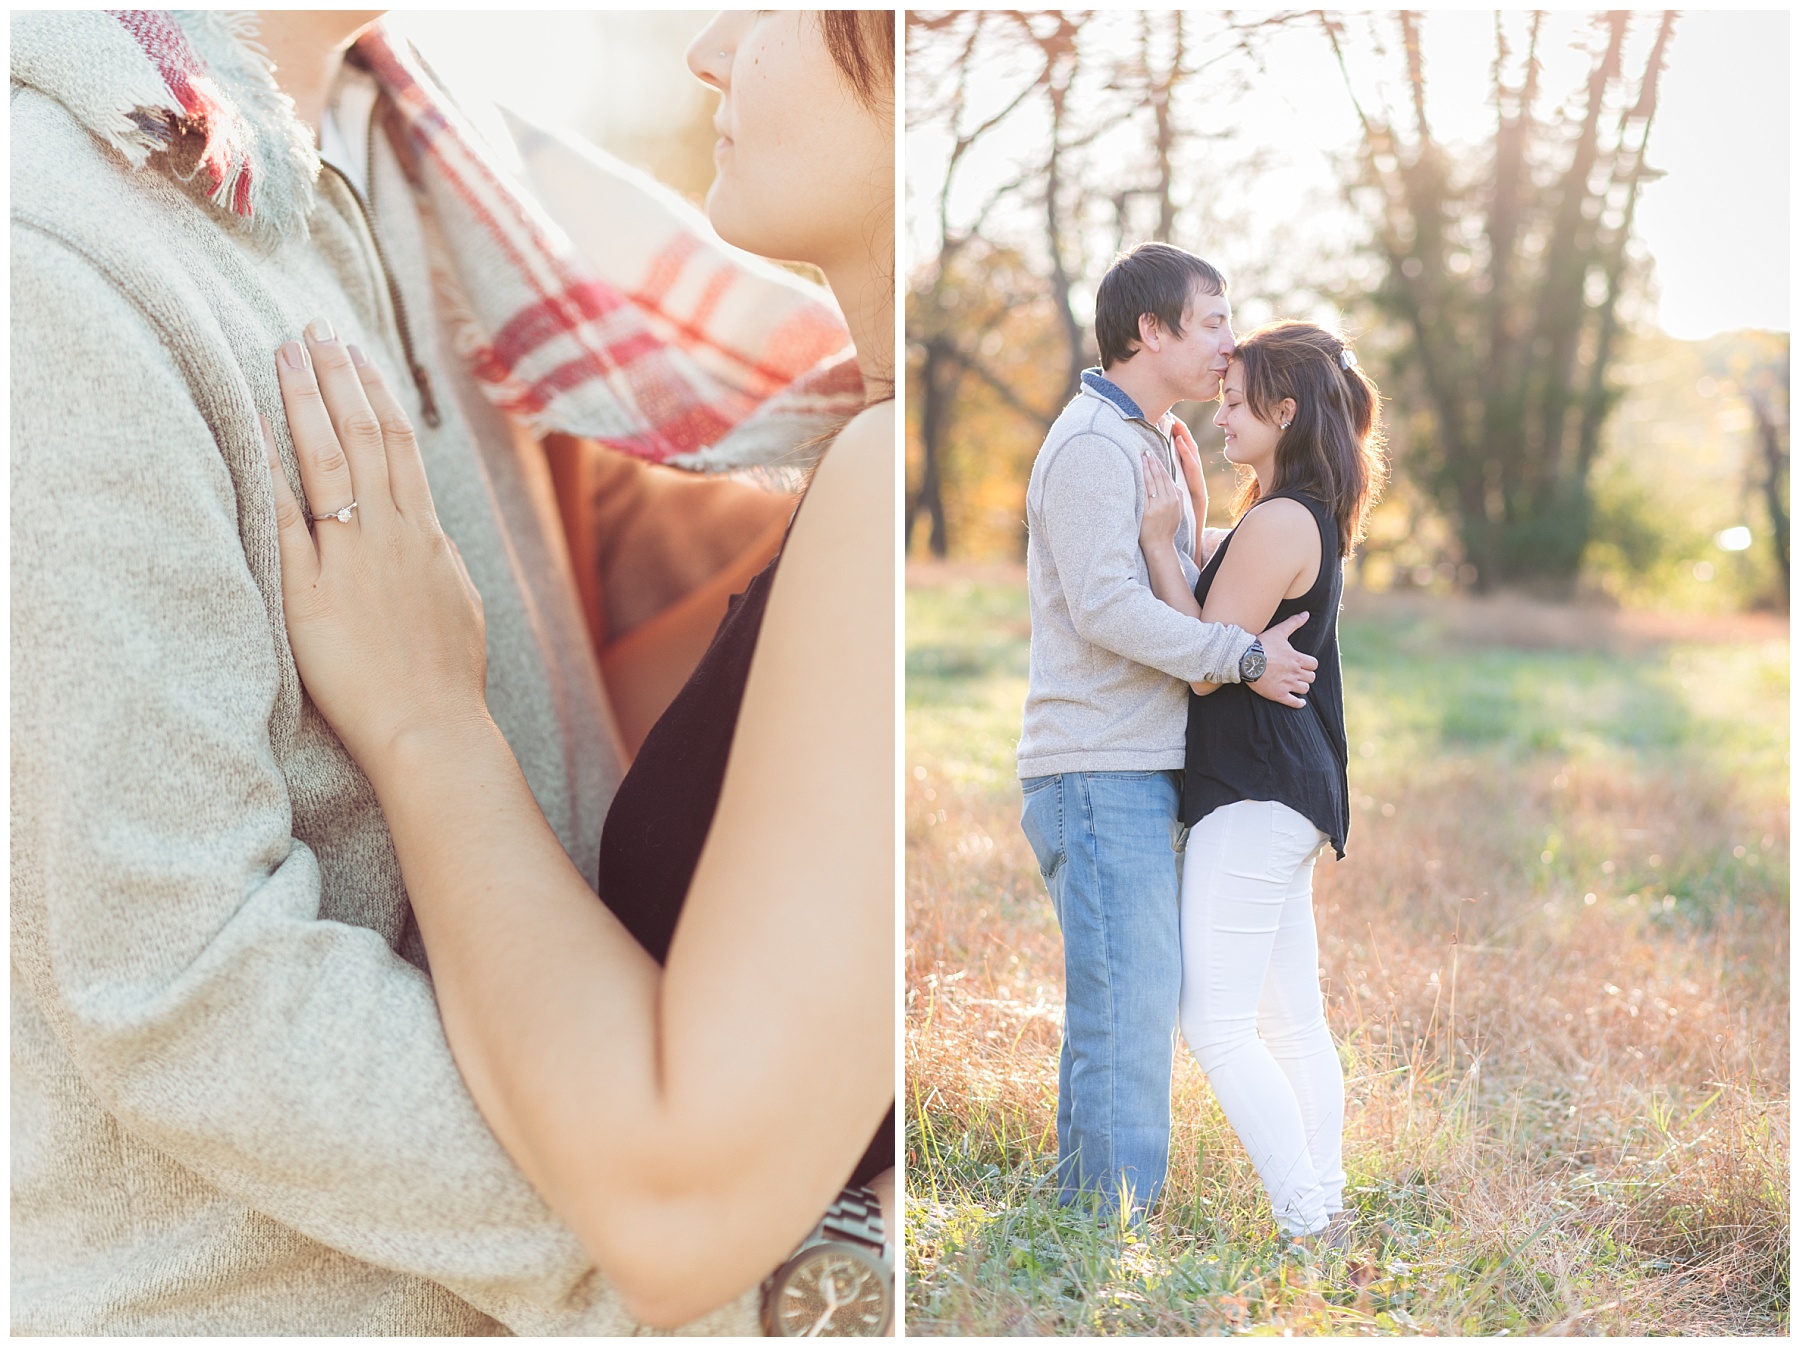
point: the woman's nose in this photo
(1219, 417)
(709, 55)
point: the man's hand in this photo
(1288, 672)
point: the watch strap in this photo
(855, 1216)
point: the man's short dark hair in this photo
(1156, 278)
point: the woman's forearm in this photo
(689, 1122)
(1168, 582)
(555, 1016)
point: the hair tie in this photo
(1347, 358)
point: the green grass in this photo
(1556, 966)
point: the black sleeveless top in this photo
(1244, 747)
(664, 808)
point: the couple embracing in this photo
(1181, 774)
(371, 972)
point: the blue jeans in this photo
(1106, 846)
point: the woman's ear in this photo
(1284, 412)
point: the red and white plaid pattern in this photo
(224, 170)
(660, 365)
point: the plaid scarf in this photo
(678, 350)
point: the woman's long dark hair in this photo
(861, 41)
(1333, 446)
(861, 44)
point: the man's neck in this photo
(307, 48)
(1142, 386)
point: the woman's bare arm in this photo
(691, 1122)
(1274, 555)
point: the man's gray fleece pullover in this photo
(1110, 662)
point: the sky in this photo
(1717, 224)
(1721, 219)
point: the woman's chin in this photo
(713, 208)
(732, 223)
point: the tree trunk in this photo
(938, 378)
(1600, 398)
(1061, 286)
(1547, 516)
(1500, 373)
(1772, 439)
(1161, 95)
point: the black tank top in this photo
(664, 808)
(1244, 747)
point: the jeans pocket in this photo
(1040, 815)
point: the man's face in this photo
(1196, 361)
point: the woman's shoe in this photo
(1331, 1241)
(1335, 1237)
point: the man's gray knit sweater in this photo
(233, 1107)
(1110, 662)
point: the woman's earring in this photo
(1284, 425)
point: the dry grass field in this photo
(1555, 961)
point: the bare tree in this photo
(1506, 276)
(1080, 85)
(940, 313)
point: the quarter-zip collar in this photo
(421, 377)
(1096, 383)
(1096, 380)
(367, 108)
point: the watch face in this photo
(830, 1291)
(1253, 665)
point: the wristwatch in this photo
(838, 1283)
(1251, 666)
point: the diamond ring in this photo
(342, 516)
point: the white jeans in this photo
(1250, 1007)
